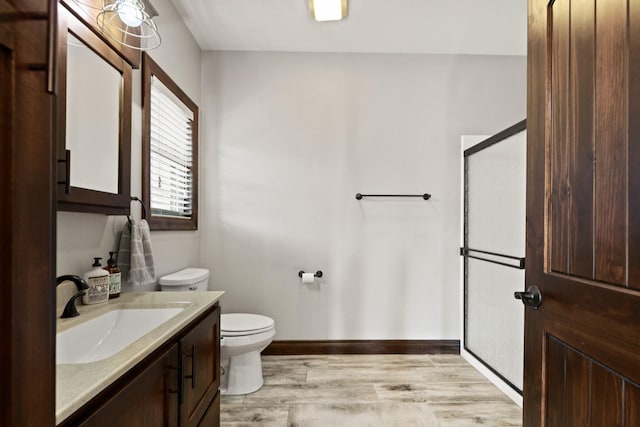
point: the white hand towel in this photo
(135, 258)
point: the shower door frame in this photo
(465, 250)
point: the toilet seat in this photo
(244, 324)
(244, 333)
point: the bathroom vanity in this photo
(169, 376)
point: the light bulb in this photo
(328, 10)
(129, 13)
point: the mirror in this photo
(94, 121)
(93, 114)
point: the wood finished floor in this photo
(370, 390)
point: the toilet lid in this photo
(244, 324)
(187, 276)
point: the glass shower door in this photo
(494, 249)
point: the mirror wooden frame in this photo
(88, 15)
(81, 199)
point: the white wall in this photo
(291, 137)
(83, 236)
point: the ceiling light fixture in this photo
(128, 23)
(328, 10)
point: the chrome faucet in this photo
(70, 309)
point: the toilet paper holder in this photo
(316, 274)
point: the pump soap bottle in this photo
(98, 281)
(114, 277)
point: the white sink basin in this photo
(106, 335)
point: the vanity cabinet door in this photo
(200, 360)
(150, 399)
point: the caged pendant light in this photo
(129, 23)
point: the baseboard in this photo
(304, 347)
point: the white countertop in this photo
(76, 384)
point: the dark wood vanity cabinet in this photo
(175, 387)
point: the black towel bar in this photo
(465, 252)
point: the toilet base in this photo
(242, 374)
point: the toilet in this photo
(243, 336)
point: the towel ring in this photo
(144, 209)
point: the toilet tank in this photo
(189, 279)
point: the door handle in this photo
(532, 297)
(67, 165)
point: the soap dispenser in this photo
(98, 281)
(114, 277)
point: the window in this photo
(169, 151)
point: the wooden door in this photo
(27, 221)
(582, 346)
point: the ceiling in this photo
(487, 27)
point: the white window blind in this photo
(171, 154)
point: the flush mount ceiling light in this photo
(328, 10)
(127, 22)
